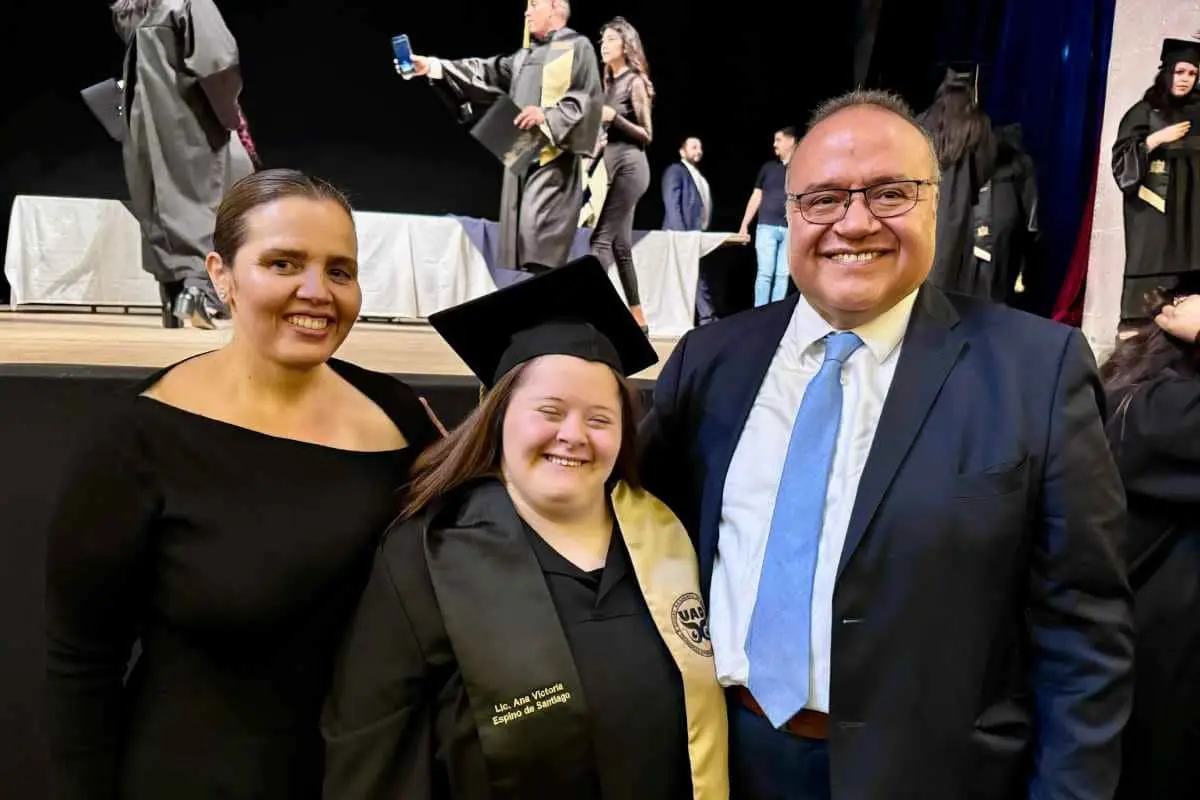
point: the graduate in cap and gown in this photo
(1156, 163)
(966, 149)
(555, 81)
(533, 624)
(182, 81)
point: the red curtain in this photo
(1068, 308)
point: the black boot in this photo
(169, 293)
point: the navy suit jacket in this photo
(681, 198)
(982, 640)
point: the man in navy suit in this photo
(910, 547)
(687, 201)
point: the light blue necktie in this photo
(780, 628)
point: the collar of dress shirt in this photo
(881, 335)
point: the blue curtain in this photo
(1045, 65)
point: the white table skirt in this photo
(87, 252)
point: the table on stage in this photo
(87, 252)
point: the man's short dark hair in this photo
(879, 98)
(789, 131)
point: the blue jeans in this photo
(770, 245)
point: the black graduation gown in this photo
(1162, 209)
(1004, 224)
(1155, 436)
(955, 264)
(481, 664)
(182, 83)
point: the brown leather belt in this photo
(806, 723)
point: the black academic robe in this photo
(1162, 209)
(478, 667)
(539, 211)
(1004, 224)
(182, 82)
(954, 263)
(1155, 436)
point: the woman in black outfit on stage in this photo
(628, 130)
(224, 519)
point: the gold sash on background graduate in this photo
(518, 671)
(1156, 181)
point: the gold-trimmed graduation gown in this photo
(467, 673)
(539, 212)
(1162, 206)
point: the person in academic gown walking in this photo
(1153, 384)
(533, 624)
(181, 82)
(556, 83)
(1156, 163)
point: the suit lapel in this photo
(931, 347)
(721, 425)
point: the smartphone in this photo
(403, 53)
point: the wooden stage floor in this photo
(108, 339)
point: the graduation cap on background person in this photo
(1177, 50)
(573, 310)
(963, 74)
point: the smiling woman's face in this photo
(561, 434)
(293, 286)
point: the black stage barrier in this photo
(45, 412)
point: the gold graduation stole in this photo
(556, 81)
(664, 561)
(1153, 190)
(520, 677)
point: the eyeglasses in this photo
(891, 199)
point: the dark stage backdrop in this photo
(1045, 67)
(321, 95)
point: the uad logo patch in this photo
(691, 623)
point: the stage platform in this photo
(110, 338)
(58, 374)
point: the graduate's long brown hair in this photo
(472, 450)
(1147, 353)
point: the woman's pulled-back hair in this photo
(259, 189)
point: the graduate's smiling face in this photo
(293, 286)
(562, 435)
(858, 267)
(1184, 79)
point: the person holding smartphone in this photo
(556, 84)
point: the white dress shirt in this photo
(702, 187)
(748, 499)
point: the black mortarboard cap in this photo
(572, 310)
(963, 75)
(1176, 50)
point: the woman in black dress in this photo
(533, 626)
(224, 521)
(628, 131)
(1153, 385)
(1156, 163)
